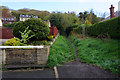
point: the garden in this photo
(30, 32)
(96, 40)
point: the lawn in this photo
(60, 52)
(103, 53)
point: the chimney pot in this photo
(112, 14)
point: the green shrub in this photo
(38, 28)
(109, 27)
(25, 35)
(44, 42)
(80, 28)
(50, 37)
(9, 25)
(69, 29)
(13, 42)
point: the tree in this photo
(62, 21)
(90, 16)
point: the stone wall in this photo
(26, 56)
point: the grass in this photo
(60, 52)
(103, 53)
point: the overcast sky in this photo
(99, 6)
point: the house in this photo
(8, 20)
(24, 17)
(112, 13)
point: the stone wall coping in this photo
(21, 47)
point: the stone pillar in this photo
(42, 55)
(112, 14)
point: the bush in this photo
(50, 37)
(62, 21)
(69, 29)
(109, 27)
(38, 28)
(13, 42)
(80, 28)
(9, 25)
(44, 42)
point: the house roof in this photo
(28, 16)
(117, 13)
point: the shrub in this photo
(38, 28)
(13, 42)
(109, 27)
(44, 42)
(69, 29)
(25, 35)
(62, 21)
(82, 29)
(50, 37)
(9, 25)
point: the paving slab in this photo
(82, 70)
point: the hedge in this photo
(109, 27)
(38, 28)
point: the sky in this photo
(99, 6)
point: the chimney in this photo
(112, 11)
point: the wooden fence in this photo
(6, 33)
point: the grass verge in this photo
(103, 53)
(60, 52)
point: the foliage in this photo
(25, 35)
(87, 22)
(50, 37)
(102, 53)
(62, 21)
(38, 28)
(41, 14)
(109, 27)
(13, 42)
(59, 54)
(44, 42)
(89, 16)
(82, 29)
(70, 28)
(9, 25)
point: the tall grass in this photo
(104, 53)
(60, 52)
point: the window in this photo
(21, 18)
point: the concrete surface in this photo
(82, 70)
(46, 73)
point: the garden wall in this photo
(32, 55)
(26, 56)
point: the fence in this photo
(7, 32)
(53, 31)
